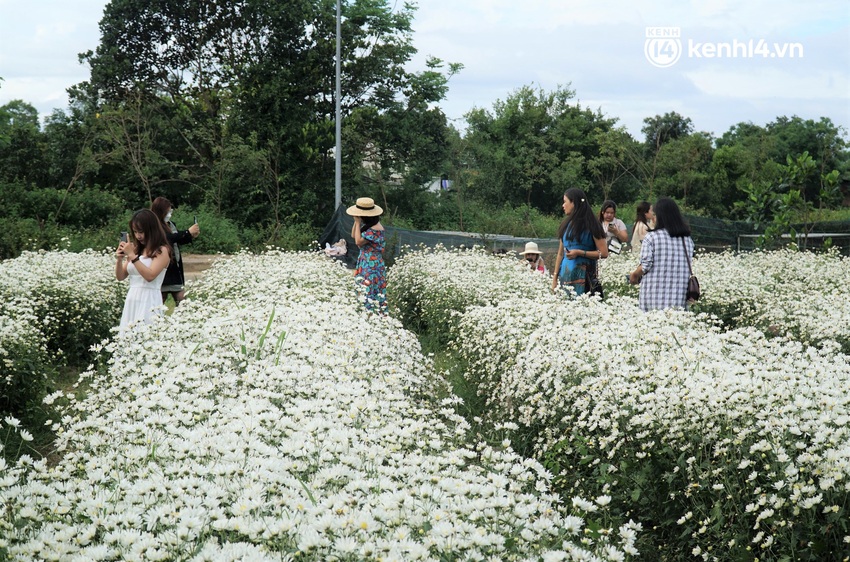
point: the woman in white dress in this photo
(144, 261)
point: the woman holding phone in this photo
(368, 233)
(144, 261)
(174, 279)
(615, 229)
(581, 243)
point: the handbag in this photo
(592, 285)
(615, 246)
(693, 293)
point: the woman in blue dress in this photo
(582, 242)
(368, 234)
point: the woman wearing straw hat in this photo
(533, 257)
(368, 234)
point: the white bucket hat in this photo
(530, 248)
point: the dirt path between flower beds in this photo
(194, 265)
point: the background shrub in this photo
(24, 361)
(73, 299)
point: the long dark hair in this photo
(368, 222)
(640, 212)
(608, 204)
(582, 219)
(669, 217)
(146, 222)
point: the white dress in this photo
(144, 300)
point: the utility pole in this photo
(338, 148)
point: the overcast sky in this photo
(718, 62)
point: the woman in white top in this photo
(644, 222)
(144, 261)
(614, 228)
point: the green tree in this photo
(130, 130)
(658, 131)
(244, 75)
(661, 129)
(18, 113)
(21, 144)
(395, 153)
(751, 155)
(821, 139)
(619, 166)
(782, 206)
(683, 168)
(742, 164)
(533, 146)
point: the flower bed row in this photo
(429, 286)
(726, 444)
(53, 307)
(269, 418)
(801, 295)
(73, 298)
(24, 361)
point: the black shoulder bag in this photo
(693, 283)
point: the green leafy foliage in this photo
(780, 208)
(249, 128)
(532, 147)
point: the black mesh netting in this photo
(713, 235)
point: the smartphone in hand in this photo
(196, 219)
(123, 236)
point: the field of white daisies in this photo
(270, 418)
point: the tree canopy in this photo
(229, 106)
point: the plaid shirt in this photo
(665, 268)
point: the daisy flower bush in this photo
(427, 287)
(613, 271)
(24, 360)
(270, 418)
(73, 297)
(728, 445)
(801, 295)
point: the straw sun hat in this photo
(365, 207)
(530, 248)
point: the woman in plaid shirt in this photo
(663, 271)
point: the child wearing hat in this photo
(534, 258)
(368, 234)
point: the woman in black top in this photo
(174, 280)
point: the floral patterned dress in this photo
(371, 273)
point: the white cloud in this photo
(595, 46)
(770, 83)
(44, 93)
